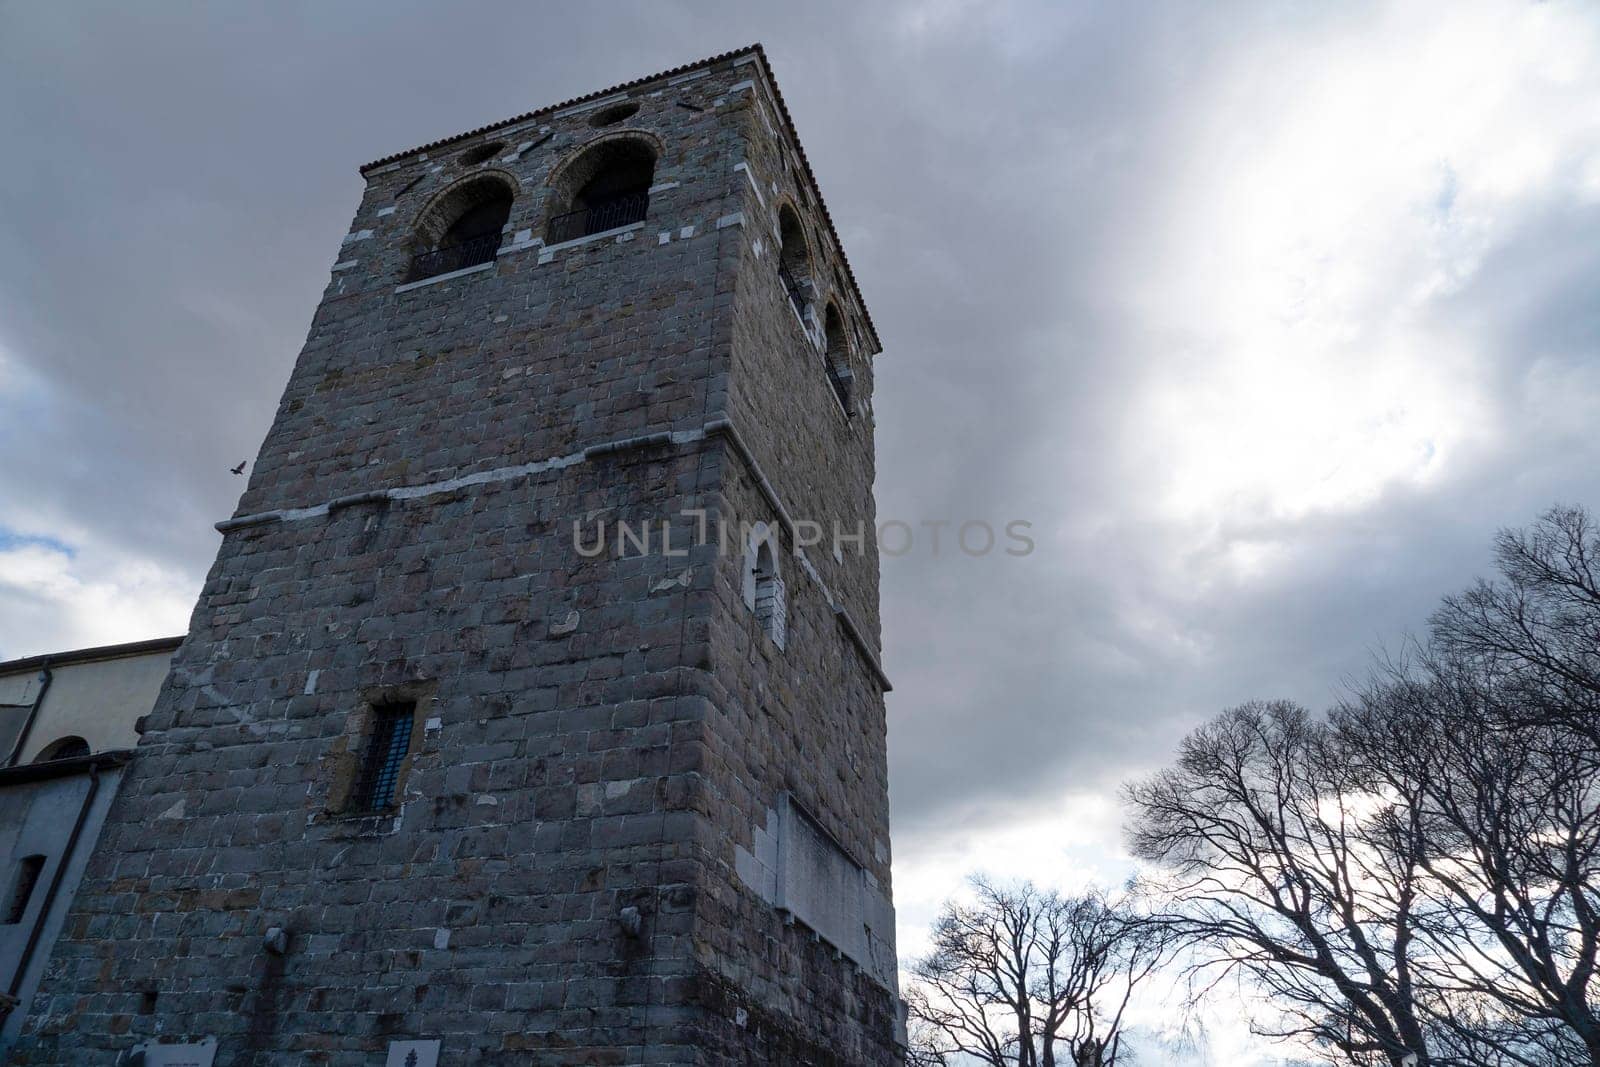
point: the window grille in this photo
(598, 218)
(387, 747)
(455, 257)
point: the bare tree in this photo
(1536, 629)
(1021, 976)
(1260, 829)
(1510, 806)
(1495, 735)
(1417, 875)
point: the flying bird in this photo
(240, 468)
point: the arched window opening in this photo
(763, 585)
(63, 748)
(605, 188)
(616, 113)
(794, 260)
(837, 360)
(461, 228)
(484, 152)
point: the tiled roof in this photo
(766, 70)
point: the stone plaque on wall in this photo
(413, 1054)
(174, 1054)
(825, 888)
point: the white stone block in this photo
(413, 1054)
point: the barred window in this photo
(22, 884)
(388, 744)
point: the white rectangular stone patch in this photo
(200, 1053)
(413, 1054)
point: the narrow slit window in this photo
(836, 360)
(763, 587)
(387, 747)
(22, 884)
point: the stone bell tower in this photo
(532, 711)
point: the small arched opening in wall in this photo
(481, 154)
(836, 356)
(603, 186)
(794, 259)
(71, 747)
(461, 226)
(610, 116)
(764, 592)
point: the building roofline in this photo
(63, 768)
(86, 655)
(724, 57)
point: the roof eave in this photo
(86, 655)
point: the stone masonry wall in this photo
(820, 458)
(552, 786)
(806, 720)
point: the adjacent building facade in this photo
(68, 724)
(531, 712)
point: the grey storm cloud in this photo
(1261, 322)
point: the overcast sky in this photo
(1265, 317)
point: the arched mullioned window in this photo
(63, 748)
(837, 359)
(462, 226)
(763, 585)
(794, 259)
(605, 186)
